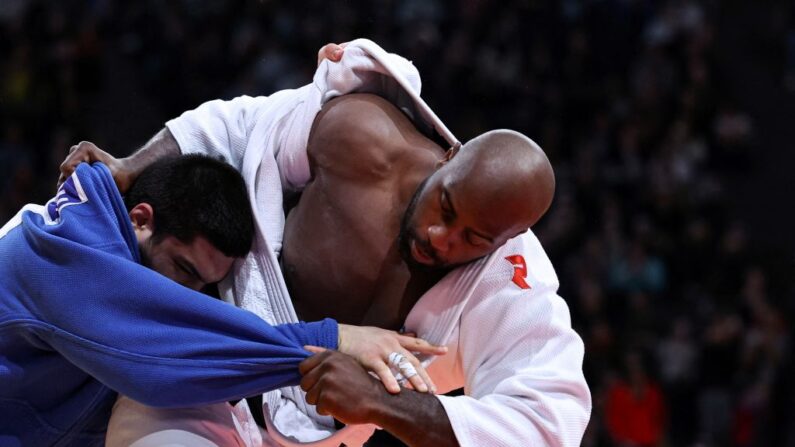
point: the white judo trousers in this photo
(509, 333)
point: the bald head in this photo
(491, 189)
(510, 168)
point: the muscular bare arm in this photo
(162, 144)
(417, 419)
(124, 170)
(340, 387)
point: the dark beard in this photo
(407, 234)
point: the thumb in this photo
(314, 349)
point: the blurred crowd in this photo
(685, 321)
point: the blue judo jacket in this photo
(81, 319)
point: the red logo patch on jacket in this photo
(519, 270)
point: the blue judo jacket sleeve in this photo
(165, 345)
(138, 332)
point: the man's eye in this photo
(182, 269)
(477, 241)
(447, 216)
(447, 213)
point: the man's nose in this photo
(438, 237)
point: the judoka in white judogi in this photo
(511, 344)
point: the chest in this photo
(340, 255)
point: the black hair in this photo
(195, 195)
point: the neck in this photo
(418, 164)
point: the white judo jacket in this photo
(511, 344)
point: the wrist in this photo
(382, 408)
(417, 419)
(127, 170)
(343, 331)
(391, 410)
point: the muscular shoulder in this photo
(362, 134)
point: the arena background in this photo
(669, 125)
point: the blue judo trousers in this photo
(82, 320)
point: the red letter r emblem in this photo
(519, 271)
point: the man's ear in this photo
(142, 217)
(450, 153)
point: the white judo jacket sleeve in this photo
(520, 359)
(219, 128)
(522, 388)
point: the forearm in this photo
(162, 144)
(124, 170)
(417, 419)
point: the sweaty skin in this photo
(340, 253)
(388, 213)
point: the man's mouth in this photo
(419, 253)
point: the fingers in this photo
(419, 345)
(78, 153)
(314, 396)
(421, 381)
(331, 51)
(310, 363)
(67, 168)
(312, 392)
(383, 372)
(310, 379)
(84, 147)
(313, 386)
(322, 405)
(372, 347)
(314, 349)
(418, 384)
(321, 408)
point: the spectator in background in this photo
(677, 355)
(634, 407)
(719, 361)
(637, 271)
